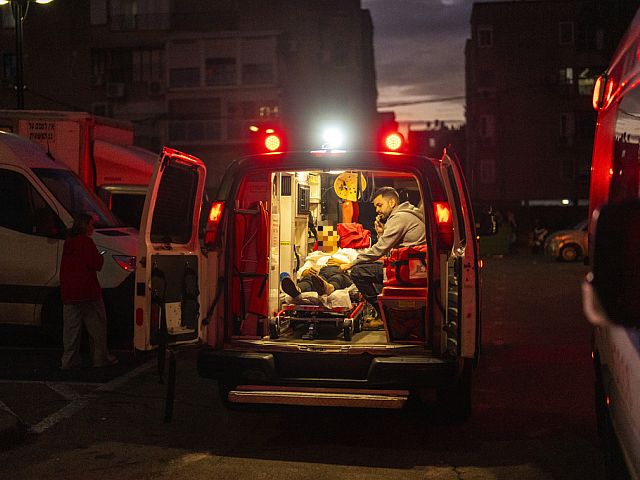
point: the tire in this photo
(570, 253)
(347, 330)
(51, 318)
(454, 402)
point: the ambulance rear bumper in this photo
(314, 369)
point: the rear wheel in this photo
(569, 253)
(454, 401)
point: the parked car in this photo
(568, 245)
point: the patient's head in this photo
(328, 239)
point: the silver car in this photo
(568, 245)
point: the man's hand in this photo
(379, 227)
(309, 271)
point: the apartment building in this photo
(195, 74)
(530, 71)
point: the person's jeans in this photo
(332, 274)
(368, 278)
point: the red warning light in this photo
(393, 141)
(272, 142)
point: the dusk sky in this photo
(419, 49)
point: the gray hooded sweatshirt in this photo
(404, 228)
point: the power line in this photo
(417, 102)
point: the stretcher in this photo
(346, 320)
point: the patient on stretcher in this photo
(320, 279)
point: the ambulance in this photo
(210, 273)
(615, 273)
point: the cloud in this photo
(419, 47)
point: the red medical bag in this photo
(406, 266)
(353, 235)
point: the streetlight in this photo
(19, 9)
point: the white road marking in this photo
(80, 402)
(65, 391)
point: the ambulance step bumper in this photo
(318, 397)
(334, 371)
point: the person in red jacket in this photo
(82, 296)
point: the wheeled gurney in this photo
(347, 320)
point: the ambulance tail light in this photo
(602, 92)
(444, 220)
(393, 142)
(213, 224)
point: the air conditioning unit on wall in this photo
(115, 90)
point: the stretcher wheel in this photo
(347, 329)
(274, 329)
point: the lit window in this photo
(586, 82)
(565, 76)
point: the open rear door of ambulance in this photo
(171, 266)
(462, 323)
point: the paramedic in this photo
(398, 225)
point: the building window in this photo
(140, 15)
(485, 36)
(148, 65)
(487, 128)
(194, 121)
(487, 171)
(565, 76)
(98, 12)
(586, 82)
(257, 73)
(220, 71)
(98, 67)
(566, 33)
(184, 77)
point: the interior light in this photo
(565, 201)
(43, 2)
(272, 142)
(393, 141)
(4, 2)
(269, 130)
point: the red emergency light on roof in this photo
(272, 142)
(393, 141)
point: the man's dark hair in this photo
(387, 193)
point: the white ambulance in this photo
(611, 298)
(213, 275)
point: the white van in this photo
(38, 198)
(613, 238)
(223, 288)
